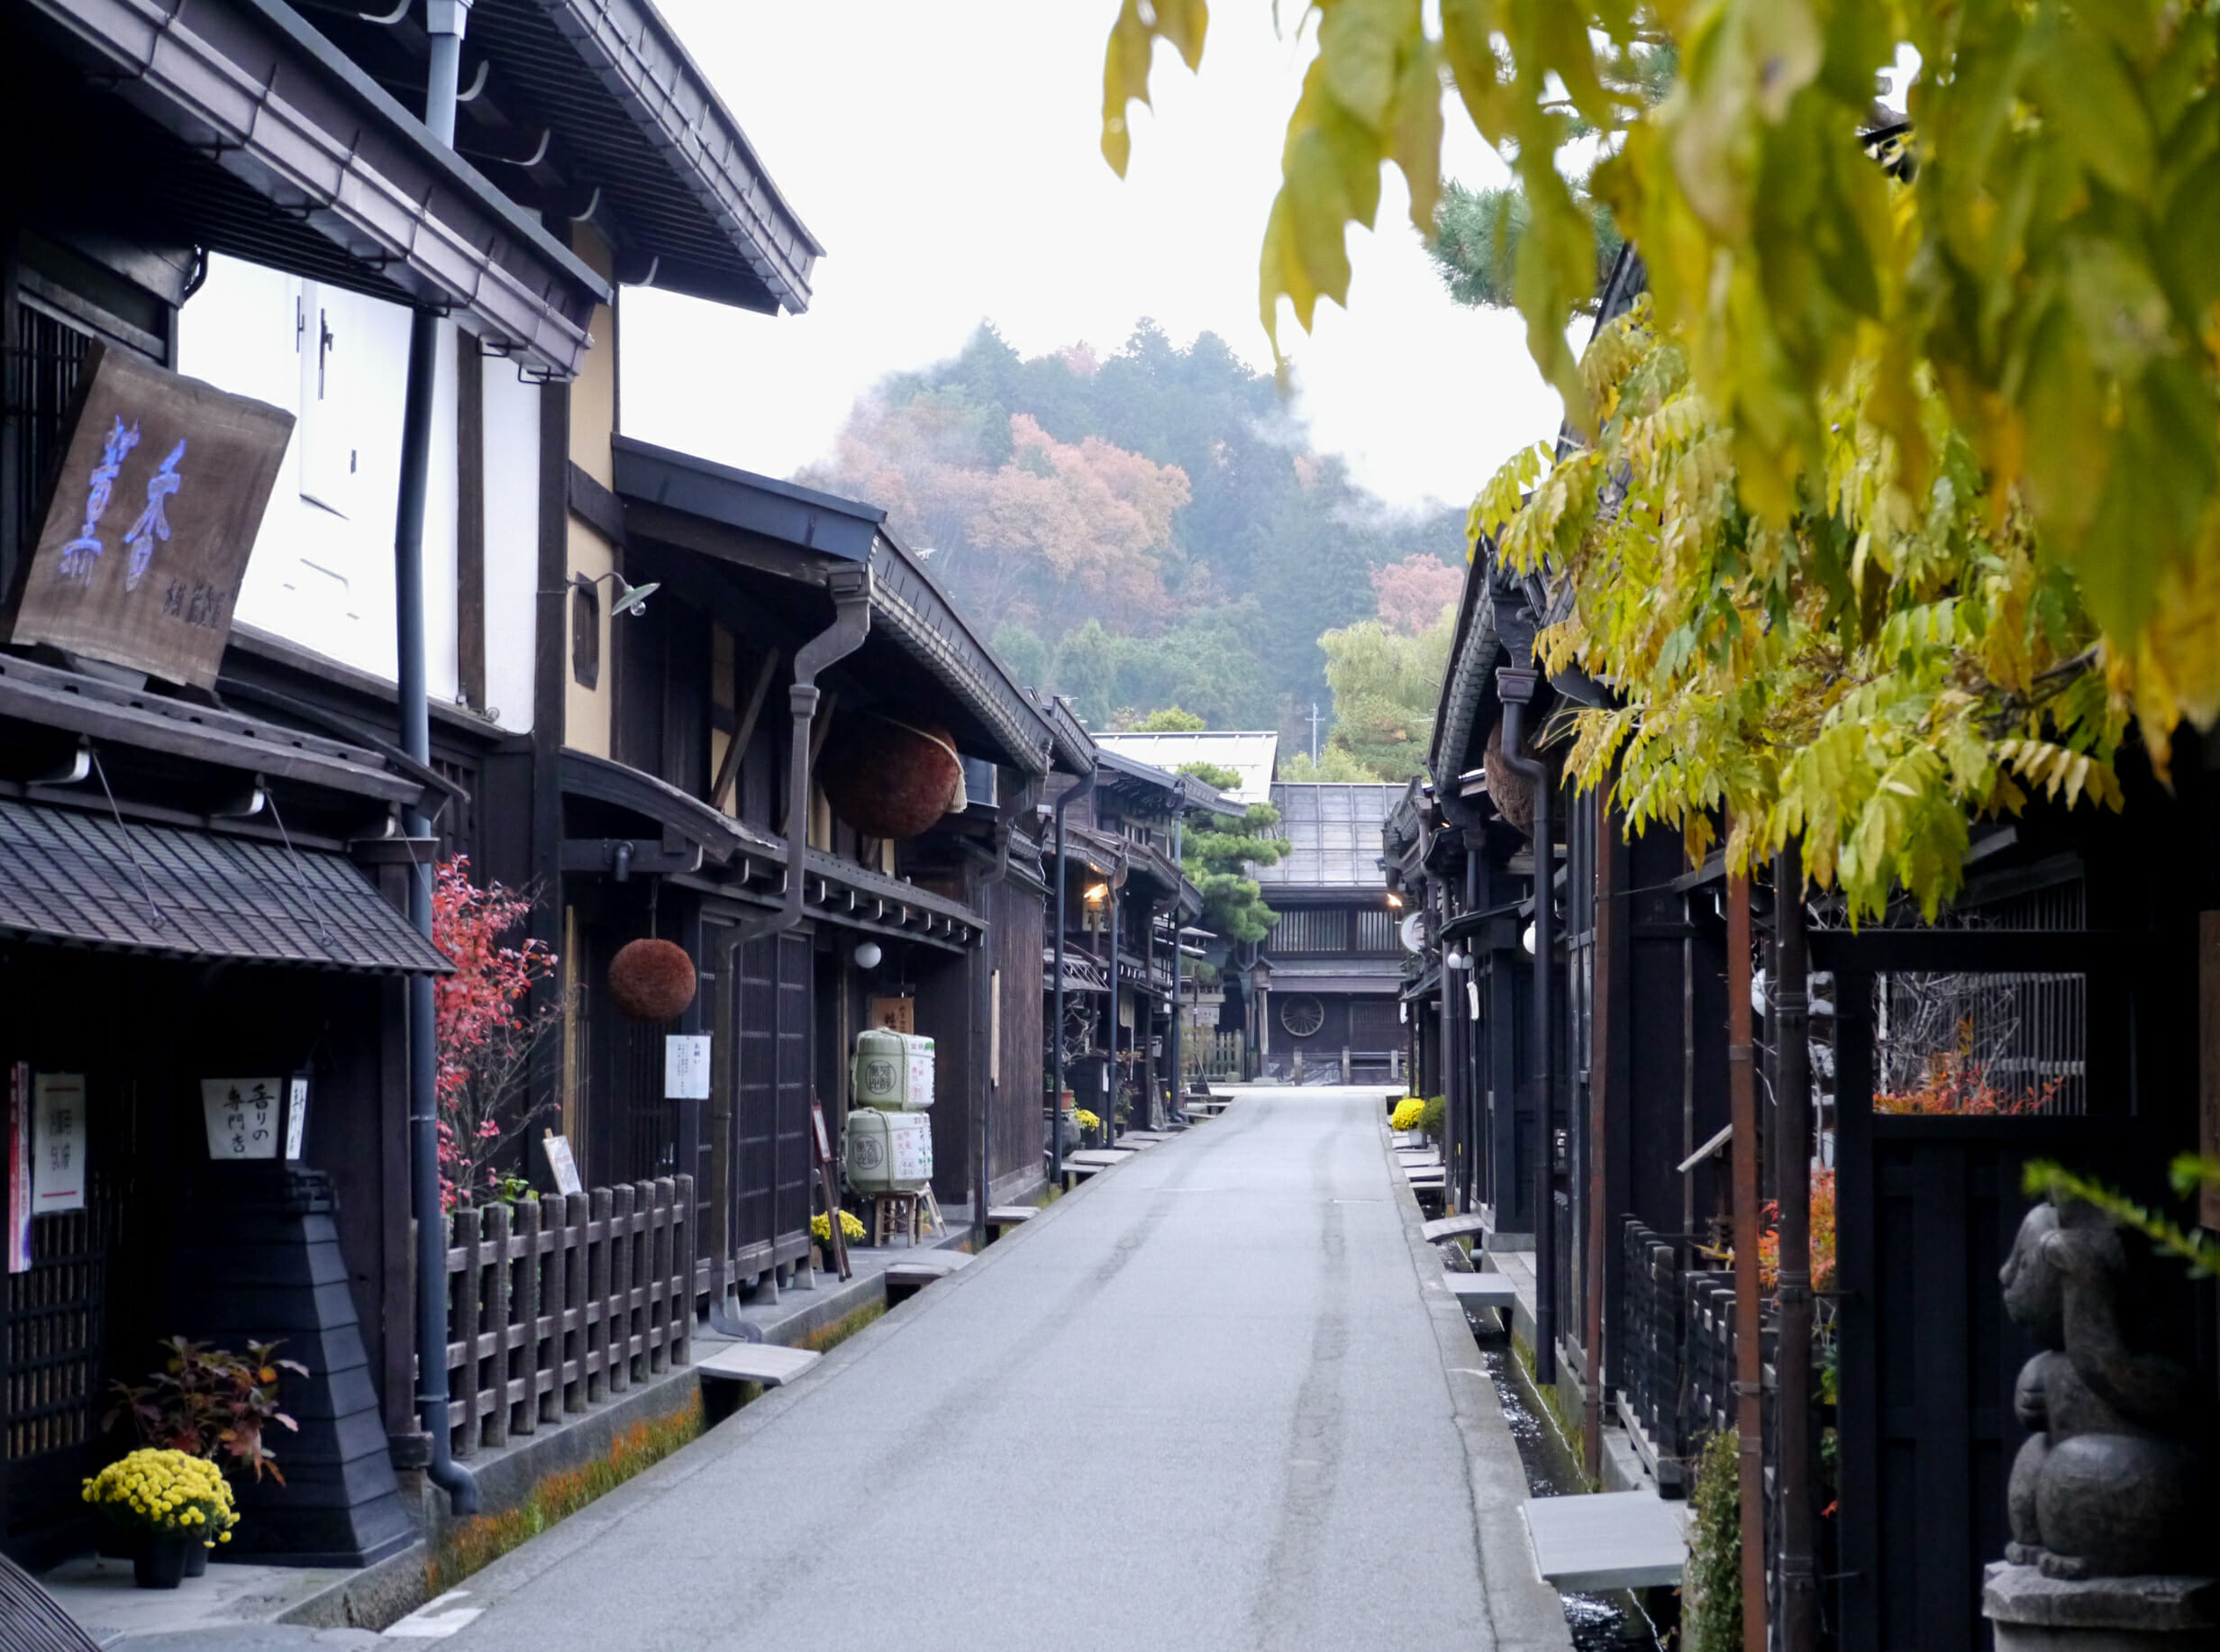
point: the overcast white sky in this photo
(947, 158)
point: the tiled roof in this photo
(91, 880)
(1254, 756)
(1335, 827)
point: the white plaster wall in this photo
(319, 577)
(512, 541)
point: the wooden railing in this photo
(557, 1304)
(1677, 1351)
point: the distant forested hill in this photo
(1149, 529)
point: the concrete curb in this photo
(1526, 1614)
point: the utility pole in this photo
(1314, 721)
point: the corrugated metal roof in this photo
(1252, 754)
(90, 880)
(1334, 829)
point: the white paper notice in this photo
(296, 1118)
(560, 1163)
(243, 1117)
(686, 1067)
(58, 1142)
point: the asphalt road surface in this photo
(1205, 1402)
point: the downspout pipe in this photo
(446, 22)
(1800, 1571)
(1749, 1361)
(1179, 850)
(1515, 686)
(851, 623)
(1056, 1030)
(990, 1088)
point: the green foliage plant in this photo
(2190, 1172)
(1216, 860)
(1434, 1118)
(1334, 763)
(2016, 291)
(1894, 659)
(1711, 1589)
(1172, 720)
(1211, 775)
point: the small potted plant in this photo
(821, 1236)
(1405, 1118)
(169, 1505)
(208, 1402)
(1090, 1126)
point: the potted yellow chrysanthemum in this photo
(170, 1503)
(821, 1235)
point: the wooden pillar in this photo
(1748, 1411)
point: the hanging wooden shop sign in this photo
(160, 494)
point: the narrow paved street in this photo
(1203, 1404)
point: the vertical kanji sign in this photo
(57, 1143)
(154, 513)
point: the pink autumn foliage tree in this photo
(484, 1035)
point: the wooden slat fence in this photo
(557, 1304)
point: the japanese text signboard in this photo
(245, 1116)
(57, 1143)
(154, 513)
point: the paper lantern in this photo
(889, 777)
(651, 980)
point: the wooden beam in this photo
(743, 731)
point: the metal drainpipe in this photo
(446, 22)
(1514, 687)
(1749, 1363)
(1056, 1101)
(1179, 845)
(851, 623)
(1110, 1095)
(990, 1088)
(1799, 1579)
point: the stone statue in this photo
(2112, 1482)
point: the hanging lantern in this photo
(889, 777)
(651, 980)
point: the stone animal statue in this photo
(2111, 1482)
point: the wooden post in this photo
(682, 1257)
(642, 1294)
(616, 1293)
(596, 1308)
(660, 1305)
(500, 1316)
(462, 1331)
(1792, 1353)
(527, 1314)
(1749, 1372)
(571, 1344)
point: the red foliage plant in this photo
(484, 1037)
(1822, 1236)
(1957, 1085)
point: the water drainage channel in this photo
(1613, 1622)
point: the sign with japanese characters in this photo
(160, 497)
(57, 1142)
(686, 1067)
(561, 1163)
(244, 1116)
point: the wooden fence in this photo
(1677, 1334)
(556, 1304)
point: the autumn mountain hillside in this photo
(1142, 531)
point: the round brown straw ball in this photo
(887, 780)
(651, 980)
